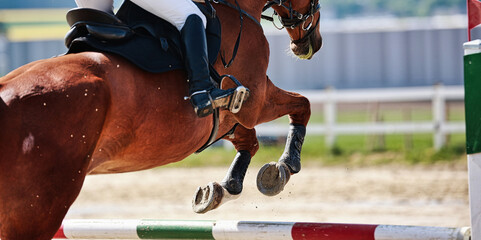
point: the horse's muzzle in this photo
(307, 48)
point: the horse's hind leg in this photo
(215, 194)
(272, 177)
(35, 200)
(45, 147)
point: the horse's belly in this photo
(150, 147)
(130, 164)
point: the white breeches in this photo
(102, 5)
(173, 11)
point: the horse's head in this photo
(301, 19)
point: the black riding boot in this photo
(204, 96)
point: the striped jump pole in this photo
(247, 230)
(472, 103)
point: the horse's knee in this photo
(248, 119)
(245, 140)
(303, 113)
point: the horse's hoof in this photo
(207, 198)
(272, 178)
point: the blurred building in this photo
(376, 52)
(357, 53)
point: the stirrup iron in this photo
(237, 99)
(240, 94)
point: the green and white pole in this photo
(472, 96)
(249, 230)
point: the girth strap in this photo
(210, 143)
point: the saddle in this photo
(144, 39)
(147, 41)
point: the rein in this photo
(241, 14)
(236, 7)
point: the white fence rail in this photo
(330, 98)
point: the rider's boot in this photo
(204, 96)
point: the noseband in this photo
(295, 18)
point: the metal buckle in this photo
(309, 24)
(237, 99)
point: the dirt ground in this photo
(430, 196)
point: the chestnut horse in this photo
(87, 113)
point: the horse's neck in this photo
(253, 7)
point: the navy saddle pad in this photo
(144, 39)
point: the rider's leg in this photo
(102, 5)
(185, 15)
(204, 96)
(174, 12)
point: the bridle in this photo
(295, 18)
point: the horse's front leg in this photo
(214, 194)
(273, 177)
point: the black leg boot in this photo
(204, 96)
